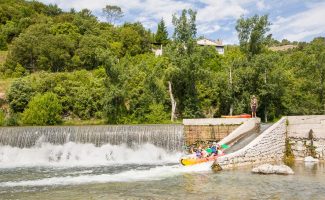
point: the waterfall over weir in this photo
(168, 137)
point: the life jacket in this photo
(214, 149)
(204, 153)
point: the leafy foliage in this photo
(2, 117)
(251, 33)
(112, 13)
(162, 33)
(97, 71)
(43, 110)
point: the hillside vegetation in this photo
(89, 70)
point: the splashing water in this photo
(75, 154)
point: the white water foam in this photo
(83, 155)
(156, 173)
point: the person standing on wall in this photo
(254, 106)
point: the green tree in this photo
(315, 70)
(112, 13)
(186, 59)
(162, 33)
(19, 95)
(2, 117)
(251, 34)
(185, 29)
(43, 110)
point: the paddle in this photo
(224, 146)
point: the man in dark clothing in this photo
(254, 106)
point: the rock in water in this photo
(272, 169)
(216, 167)
(311, 159)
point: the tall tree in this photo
(185, 64)
(316, 68)
(162, 33)
(112, 13)
(185, 29)
(252, 33)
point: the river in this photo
(147, 172)
(38, 167)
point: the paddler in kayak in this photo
(198, 152)
(203, 155)
(202, 152)
(214, 149)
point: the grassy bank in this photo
(76, 122)
(3, 56)
(5, 84)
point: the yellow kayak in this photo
(193, 161)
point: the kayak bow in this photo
(193, 161)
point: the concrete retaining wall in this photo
(298, 133)
(209, 129)
(267, 147)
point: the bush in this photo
(43, 110)
(12, 119)
(2, 117)
(19, 95)
(157, 114)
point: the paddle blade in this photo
(224, 146)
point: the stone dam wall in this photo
(300, 141)
(267, 147)
(209, 129)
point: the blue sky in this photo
(296, 20)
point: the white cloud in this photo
(208, 28)
(261, 5)
(219, 10)
(301, 26)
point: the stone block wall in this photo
(301, 148)
(267, 147)
(298, 133)
(194, 133)
(209, 129)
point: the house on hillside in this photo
(157, 49)
(217, 44)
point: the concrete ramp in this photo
(251, 125)
(266, 147)
(247, 138)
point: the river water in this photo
(78, 165)
(145, 172)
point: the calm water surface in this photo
(153, 181)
